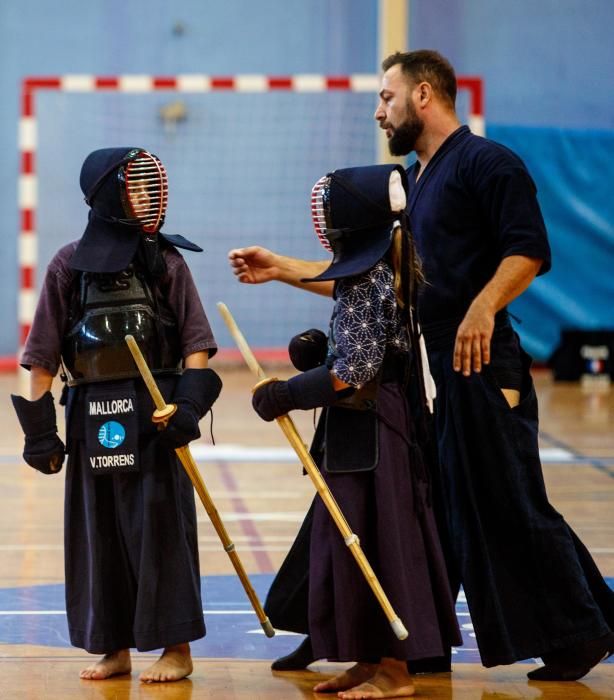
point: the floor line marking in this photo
(248, 611)
(595, 462)
(558, 452)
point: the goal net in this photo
(242, 154)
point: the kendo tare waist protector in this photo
(352, 424)
(111, 430)
(351, 432)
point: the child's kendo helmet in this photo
(127, 191)
(355, 212)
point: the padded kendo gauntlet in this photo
(308, 349)
(307, 390)
(43, 448)
(196, 392)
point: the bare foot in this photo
(174, 664)
(348, 679)
(110, 665)
(390, 680)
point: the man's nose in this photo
(380, 112)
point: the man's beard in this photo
(403, 140)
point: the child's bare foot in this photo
(348, 679)
(174, 664)
(110, 665)
(390, 680)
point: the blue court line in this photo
(35, 615)
(604, 465)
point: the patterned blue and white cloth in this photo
(366, 322)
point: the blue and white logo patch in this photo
(111, 429)
(111, 434)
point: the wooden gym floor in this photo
(262, 496)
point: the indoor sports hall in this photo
(248, 104)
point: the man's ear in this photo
(425, 93)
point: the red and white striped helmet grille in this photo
(147, 190)
(320, 209)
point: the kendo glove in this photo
(43, 448)
(196, 392)
(308, 349)
(307, 390)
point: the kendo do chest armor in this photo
(111, 306)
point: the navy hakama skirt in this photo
(389, 511)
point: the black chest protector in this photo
(108, 307)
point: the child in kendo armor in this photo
(370, 436)
(131, 547)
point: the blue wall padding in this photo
(574, 172)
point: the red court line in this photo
(231, 356)
(265, 564)
(272, 355)
(8, 364)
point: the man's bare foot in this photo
(348, 679)
(174, 664)
(390, 680)
(110, 665)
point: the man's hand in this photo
(253, 265)
(472, 346)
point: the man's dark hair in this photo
(429, 66)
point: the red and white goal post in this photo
(182, 85)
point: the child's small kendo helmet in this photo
(127, 191)
(355, 212)
(127, 186)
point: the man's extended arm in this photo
(472, 347)
(255, 265)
